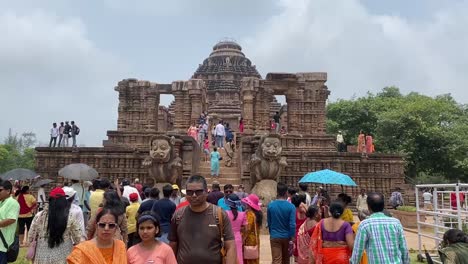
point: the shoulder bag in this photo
(12, 250)
(251, 252)
(221, 232)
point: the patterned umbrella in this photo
(79, 172)
(328, 177)
(19, 175)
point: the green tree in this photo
(429, 132)
(17, 151)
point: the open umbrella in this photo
(19, 175)
(39, 183)
(79, 172)
(328, 177)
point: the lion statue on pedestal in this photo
(266, 166)
(163, 164)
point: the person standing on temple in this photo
(75, 131)
(369, 144)
(241, 125)
(220, 133)
(361, 142)
(54, 133)
(66, 134)
(277, 118)
(61, 129)
(340, 142)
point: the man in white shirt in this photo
(220, 133)
(75, 211)
(303, 187)
(427, 196)
(79, 196)
(340, 142)
(54, 133)
(129, 190)
(361, 203)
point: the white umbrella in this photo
(79, 172)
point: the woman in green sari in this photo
(454, 248)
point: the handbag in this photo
(251, 252)
(12, 250)
(31, 250)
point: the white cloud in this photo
(363, 51)
(50, 72)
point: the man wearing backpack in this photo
(75, 130)
(199, 231)
(396, 199)
(9, 211)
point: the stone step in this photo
(223, 181)
(221, 170)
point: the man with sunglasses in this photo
(199, 231)
(9, 211)
(228, 189)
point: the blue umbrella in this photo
(328, 177)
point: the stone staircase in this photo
(227, 175)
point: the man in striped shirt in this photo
(381, 236)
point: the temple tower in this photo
(222, 72)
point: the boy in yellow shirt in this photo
(131, 213)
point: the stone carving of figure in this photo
(267, 162)
(228, 61)
(164, 165)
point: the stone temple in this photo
(227, 86)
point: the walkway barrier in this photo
(448, 209)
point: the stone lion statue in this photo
(266, 163)
(164, 165)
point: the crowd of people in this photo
(101, 222)
(64, 132)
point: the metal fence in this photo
(448, 209)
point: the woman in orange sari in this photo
(369, 144)
(251, 234)
(332, 239)
(103, 249)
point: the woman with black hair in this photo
(112, 202)
(238, 222)
(454, 247)
(305, 232)
(299, 200)
(104, 248)
(53, 231)
(332, 239)
(150, 250)
(28, 205)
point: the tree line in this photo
(17, 151)
(431, 133)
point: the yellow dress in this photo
(347, 215)
(249, 235)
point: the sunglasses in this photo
(228, 192)
(109, 225)
(196, 192)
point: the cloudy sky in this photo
(60, 59)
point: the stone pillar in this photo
(179, 94)
(248, 97)
(196, 96)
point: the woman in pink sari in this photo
(369, 144)
(193, 131)
(238, 222)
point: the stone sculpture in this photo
(266, 166)
(164, 165)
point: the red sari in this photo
(361, 143)
(333, 255)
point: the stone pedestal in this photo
(266, 191)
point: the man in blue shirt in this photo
(281, 217)
(228, 189)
